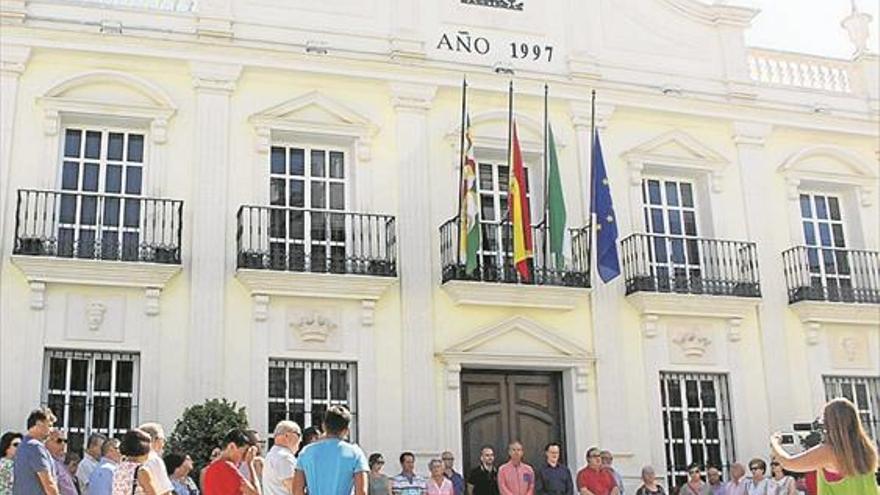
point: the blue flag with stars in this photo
(607, 261)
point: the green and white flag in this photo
(469, 226)
(556, 206)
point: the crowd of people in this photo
(323, 463)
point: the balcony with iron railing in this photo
(831, 274)
(318, 241)
(93, 226)
(495, 257)
(690, 265)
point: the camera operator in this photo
(846, 450)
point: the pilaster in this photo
(757, 180)
(415, 240)
(214, 84)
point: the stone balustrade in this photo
(799, 70)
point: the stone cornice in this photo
(217, 77)
(839, 313)
(515, 295)
(95, 272)
(412, 96)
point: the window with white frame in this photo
(864, 392)
(303, 390)
(91, 392)
(823, 227)
(670, 213)
(308, 198)
(102, 182)
(697, 423)
(492, 186)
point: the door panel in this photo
(498, 407)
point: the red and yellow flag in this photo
(520, 218)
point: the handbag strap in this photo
(134, 479)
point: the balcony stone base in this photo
(814, 314)
(517, 295)
(653, 306)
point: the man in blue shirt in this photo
(553, 478)
(332, 466)
(449, 471)
(33, 469)
(101, 478)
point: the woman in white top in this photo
(785, 484)
(759, 484)
(129, 478)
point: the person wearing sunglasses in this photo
(8, 445)
(57, 446)
(759, 483)
(694, 484)
(594, 479)
(846, 450)
(380, 483)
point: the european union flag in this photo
(607, 261)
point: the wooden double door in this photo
(500, 406)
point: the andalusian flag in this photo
(518, 206)
(555, 204)
(469, 227)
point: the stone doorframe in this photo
(538, 348)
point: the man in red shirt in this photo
(593, 479)
(223, 477)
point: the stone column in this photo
(209, 243)
(415, 240)
(762, 227)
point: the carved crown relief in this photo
(692, 343)
(313, 327)
(95, 312)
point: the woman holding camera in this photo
(846, 450)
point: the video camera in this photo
(805, 436)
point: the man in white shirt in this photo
(280, 465)
(154, 463)
(90, 460)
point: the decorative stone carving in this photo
(453, 376)
(811, 331)
(95, 312)
(734, 332)
(692, 343)
(313, 327)
(38, 295)
(261, 307)
(650, 325)
(368, 312)
(850, 347)
(582, 379)
(857, 26)
(151, 305)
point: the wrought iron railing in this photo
(315, 240)
(495, 256)
(815, 273)
(660, 263)
(70, 224)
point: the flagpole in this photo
(592, 179)
(509, 175)
(546, 221)
(461, 170)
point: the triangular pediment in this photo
(518, 336)
(676, 147)
(489, 129)
(315, 111)
(828, 161)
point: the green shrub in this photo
(202, 427)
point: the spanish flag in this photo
(520, 218)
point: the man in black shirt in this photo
(483, 479)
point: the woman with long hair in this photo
(8, 445)
(846, 450)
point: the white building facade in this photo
(247, 200)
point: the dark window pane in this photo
(487, 207)
(57, 373)
(337, 228)
(319, 226)
(690, 223)
(113, 179)
(123, 413)
(72, 140)
(654, 192)
(77, 413)
(277, 385)
(277, 413)
(55, 402)
(124, 376)
(337, 165)
(674, 393)
(276, 160)
(319, 191)
(68, 209)
(824, 234)
(339, 385)
(674, 222)
(806, 207)
(319, 384)
(276, 192)
(297, 193)
(297, 383)
(318, 163)
(297, 224)
(93, 144)
(132, 213)
(130, 246)
(136, 148)
(821, 211)
(503, 177)
(115, 145)
(834, 207)
(102, 375)
(486, 183)
(671, 193)
(90, 177)
(809, 234)
(687, 195)
(838, 235)
(88, 210)
(86, 243)
(70, 176)
(101, 412)
(657, 225)
(297, 161)
(133, 180)
(337, 196)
